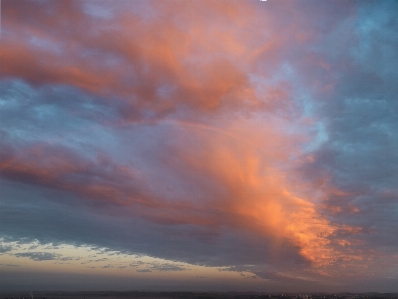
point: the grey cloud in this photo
(166, 267)
(136, 264)
(258, 271)
(360, 157)
(69, 258)
(60, 223)
(5, 248)
(143, 270)
(276, 276)
(57, 113)
(38, 256)
(108, 266)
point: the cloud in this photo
(69, 258)
(157, 266)
(38, 256)
(136, 264)
(154, 71)
(165, 267)
(143, 270)
(4, 249)
(232, 189)
(67, 171)
(357, 163)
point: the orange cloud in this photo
(254, 191)
(235, 175)
(196, 56)
(157, 65)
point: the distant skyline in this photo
(199, 145)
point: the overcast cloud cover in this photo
(257, 138)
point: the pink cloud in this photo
(158, 65)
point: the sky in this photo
(199, 145)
